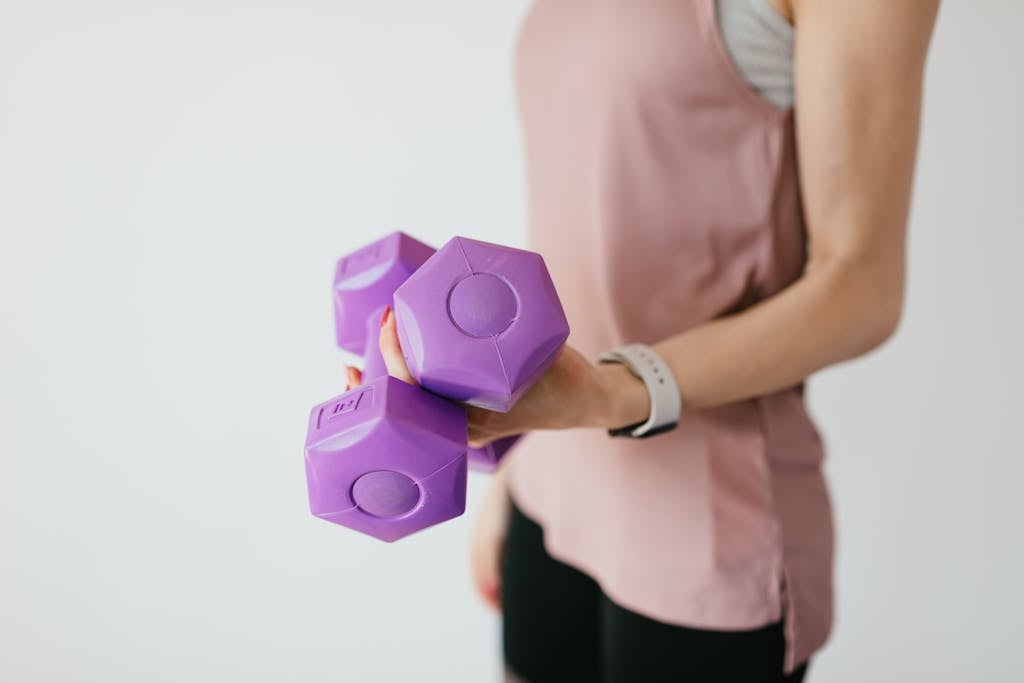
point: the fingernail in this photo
(384, 318)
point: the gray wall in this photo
(175, 182)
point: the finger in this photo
(486, 426)
(392, 350)
(478, 439)
(354, 377)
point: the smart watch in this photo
(666, 403)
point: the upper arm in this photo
(858, 74)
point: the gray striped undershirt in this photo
(760, 41)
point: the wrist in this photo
(625, 398)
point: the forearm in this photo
(839, 309)
(498, 498)
(834, 312)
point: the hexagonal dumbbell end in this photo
(479, 322)
(365, 280)
(386, 459)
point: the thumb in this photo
(391, 349)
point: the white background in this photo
(176, 180)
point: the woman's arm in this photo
(858, 71)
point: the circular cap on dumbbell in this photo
(385, 493)
(482, 305)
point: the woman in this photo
(682, 203)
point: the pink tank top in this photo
(663, 193)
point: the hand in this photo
(572, 393)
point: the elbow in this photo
(881, 308)
(884, 320)
(866, 301)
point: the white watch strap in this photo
(666, 403)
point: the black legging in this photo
(560, 628)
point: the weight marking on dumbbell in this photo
(348, 405)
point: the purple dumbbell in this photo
(386, 458)
(480, 323)
(364, 283)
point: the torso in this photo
(663, 193)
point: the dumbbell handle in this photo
(483, 459)
(373, 360)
